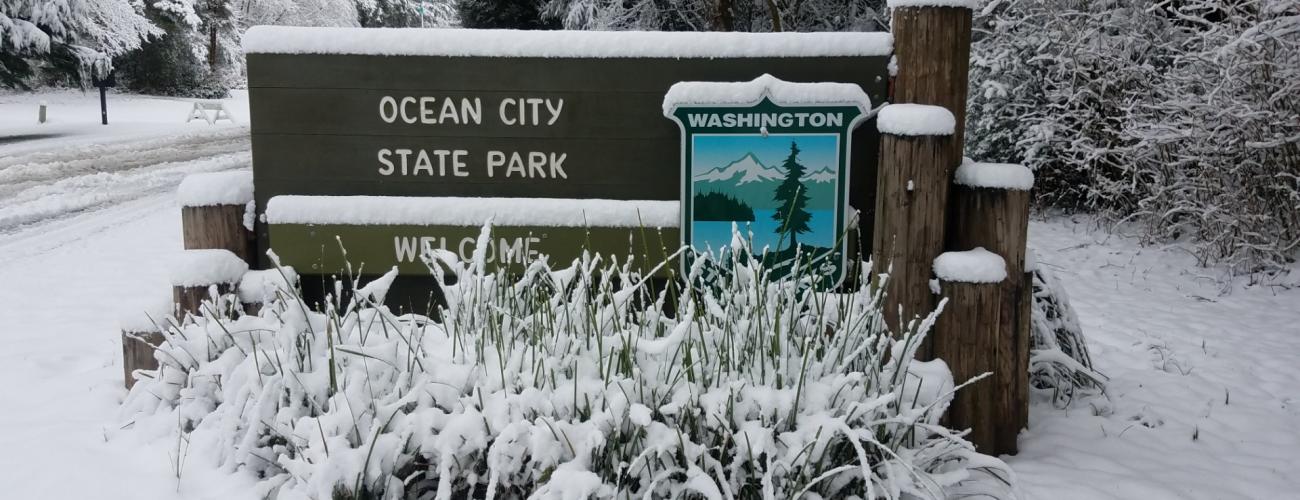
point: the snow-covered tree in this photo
(66, 39)
(296, 13)
(505, 14)
(721, 15)
(1178, 115)
(406, 13)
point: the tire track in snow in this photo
(42, 187)
(23, 171)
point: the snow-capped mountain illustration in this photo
(743, 171)
(823, 175)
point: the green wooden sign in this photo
(765, 167)
(470, 114)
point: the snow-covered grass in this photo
(569, 382)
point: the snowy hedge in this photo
(568, 382)
(1178, 117)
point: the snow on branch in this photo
(776, 90)
(972, 266)
(915, 119)
(559, 44)
(994, 175)
(456, 211)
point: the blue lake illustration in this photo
(781, 188)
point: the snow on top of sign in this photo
(994, 175)
(972, 266)
(206, 267)
(915, 119)
(259, 287)
(777, 90)
(216, 188)
(455, 211)
(566, 44)
(969, 4)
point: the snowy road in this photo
(36, 187)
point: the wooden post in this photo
(141, 334)
(137, 353)
(911, 202)
(41, 114)
(970, 337)
(990, 209)
(195, 271)
(218, 226)
(932, 51)
(967, 335)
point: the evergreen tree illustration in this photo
(792, 198)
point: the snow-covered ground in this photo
(72, 118)
(1205, 385)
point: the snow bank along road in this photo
(52, 184)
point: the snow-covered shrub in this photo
(1060, 368)
(1178, 116)
(566, 383)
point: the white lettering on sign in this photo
(528, 111)
(427, 110)
(770, 120)
(504, 250)
(530, 165)
(433, 110)
(419, 162)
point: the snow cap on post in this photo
(216, 188)
(972, 266)
(994, 175)
(559, 44)
(964, 4)
(193, 268)
(915, 119)
(779, 91)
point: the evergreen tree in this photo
(792, 198)
(62, 41)
(507, 14)
(197, 55)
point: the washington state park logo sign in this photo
(775, 171)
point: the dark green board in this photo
(317, 128)
(319, 249)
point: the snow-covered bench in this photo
(209, 111)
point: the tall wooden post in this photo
(911, 202)
(990, 209)
(932, 55)
(932, 47)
